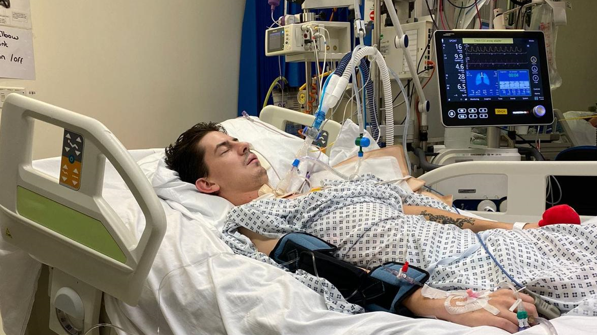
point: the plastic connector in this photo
(311, 132)
(523, 321)
(401, 43)
(362, 141)
(424, 106)
(319, 118)
(296, 162)
(328, 99)
(334, 91)
(359, 28)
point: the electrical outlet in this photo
(5, 91)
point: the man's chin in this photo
(263, 174)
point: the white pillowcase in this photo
(184, 196)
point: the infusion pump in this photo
(296, 42)
(285, 40)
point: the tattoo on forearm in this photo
(443, 219)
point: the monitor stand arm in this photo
(493, 137)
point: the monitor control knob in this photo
(539, 111)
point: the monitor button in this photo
(461, 110)
(462, 116)
(472, 110)
(539, 111)
(472, 116)
(451, 113)
(482, 110)
(483, 116)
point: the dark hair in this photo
(185, 156)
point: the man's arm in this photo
(461, 221)
(262, 243)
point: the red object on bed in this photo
(559, 214)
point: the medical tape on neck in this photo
(473, 301)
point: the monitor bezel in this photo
(445, 105)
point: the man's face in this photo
(232, 167)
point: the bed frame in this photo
(527, 183)
(279, 117)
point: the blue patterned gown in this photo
(365, 220)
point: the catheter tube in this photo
(356, 170)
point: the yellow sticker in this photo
(501, 111)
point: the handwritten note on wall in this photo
(16, 53)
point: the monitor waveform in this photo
(495, 49)
(495, 56)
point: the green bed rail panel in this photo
(68, 222)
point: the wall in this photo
(146, 69)
(575, 58)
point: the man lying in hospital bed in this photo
(198, 286)
(534, 258)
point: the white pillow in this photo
(168, 186)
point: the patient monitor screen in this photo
(493, 78)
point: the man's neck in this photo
(241, 198)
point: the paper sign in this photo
(16, 53)
(15, 13)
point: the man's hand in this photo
(501, 299)
(506, 320)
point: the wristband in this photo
(519, 225)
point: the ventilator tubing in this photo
(337, 86)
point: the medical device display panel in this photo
(299, 41)
(493, 78)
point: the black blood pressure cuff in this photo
(396, 289)
(378, 290)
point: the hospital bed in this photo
(195, 285)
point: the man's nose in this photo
(243, 147)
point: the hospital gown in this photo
(365, 220)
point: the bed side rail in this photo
(527, 183)
(278, 117)
(72, 228)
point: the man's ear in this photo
(205, 186)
